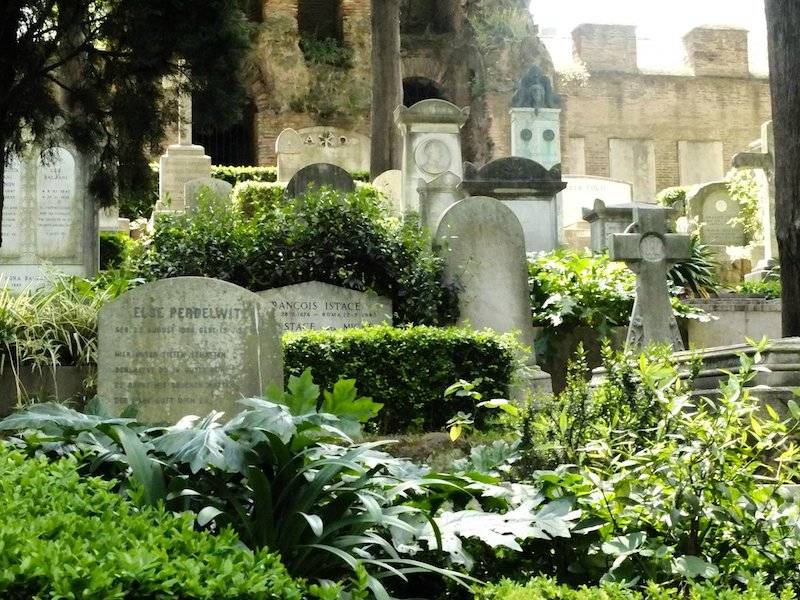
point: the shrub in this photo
(234, 175)
(326, 51)
(64, 536)
(254, 196)
(341, 239)
(407, 369)
(743, 188)
(770, 289)
(114, 249)
(672, 196)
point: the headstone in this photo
(578, 197)
(296, 149)
(390, 184)
(431, 133)
(185, 346)
(699, 162)
(525, 187)
(315, 305)
(218, 188)
(49, 219)
(761, 158)
(650, 253)
(435, 197)
(712, 207)
(183, 162)
(606, 220)
(317, 176)
(635, 161)
(536, 120)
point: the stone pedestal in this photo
(608, 219)
(181, 164)
(431, 133)
(435, 197)
(536, 135)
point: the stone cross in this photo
(650, 253)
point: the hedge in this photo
(542, 588)
(234, 175)
(406, 369)
(63, 536)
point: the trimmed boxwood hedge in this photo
(63, 536)
(234, 175)
(406, 369)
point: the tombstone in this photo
(316, 305)
(712, 207)
(390, 184)
(435, 197)
(761, 158)
(528, 189)
(579, 197)
(296, 149)
(634, 160)
(650, 253)
(183, 162)
(219, 189)
(699, 162)
(49, 219)
(536, 120)
(608, 219)
(317, 176)
(185, 346)
(431, 133)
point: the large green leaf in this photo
(302, 395)
(344, 402)
(54, 419)
(694, 566)
(201, 445)
(146, 470)
(266, 416)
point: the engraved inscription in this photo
(652, 248)
(58, 209)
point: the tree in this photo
(387, 86)
(92, 73)
(783, 30)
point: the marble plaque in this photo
(15, 224)
(186, 346)
(316, 305)
(58, 210)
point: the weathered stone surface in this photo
(436, 196)
(220, 189)
(608, 219)
(713, 208)
(650, 253)
(634, 161)
(296, 149)
(182, 163)
(535, 90)
(316, 305)
(317, 176)
(582, 191)
(700, 162)
(390, 184)
(536, 134)
(735, 319)
(186, 346)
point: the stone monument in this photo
(317, 176)
(182, 163)
(581, 193)
(49, 219)
(390, 184)
(649, 253)
(431, 133)
(220, 189)
(528, 189)
(712, 208)
(185, 346)
(536, 120)
(296, 149)
(316, 305)
(607, 219)
(435, 197)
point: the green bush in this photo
(406, 369)
(254, 196)
(114, 249)
(672, 196)
(770, 289)
(542, 588)
(342, 239)
(234, 175)
(67, 537)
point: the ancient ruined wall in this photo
(715, 100)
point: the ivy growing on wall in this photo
(743, 188)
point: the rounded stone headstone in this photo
(219, 189)
(390, 183)
(185, 346)
(320, 175)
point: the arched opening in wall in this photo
(416, 89)
(234, 146)
(320, 24)
(426, 16)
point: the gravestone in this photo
(183, 162)
(525, 187)
(650, 253)
(712, 207)
(316, 305)
(49, 219)
(296, 149)
(219, 189)
(317, 176)
(536, 120)
(185, 346)
(608, 219)
(390, 184)
(435, 197)
(431, 133)
(579, 197)
(635, 161)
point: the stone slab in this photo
(711, 206)
(634, 160)
(182, 163)
(700, 161)
(299, 148)
(390, 184)
(316, 305)
(186, 346)
(317, 176)
(220, 189)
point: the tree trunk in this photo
(783, 28)
(387, 86)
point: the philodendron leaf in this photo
(202, 445)
(344, 402)
(264, 415)
(692, 567)
(53, 419)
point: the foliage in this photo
(64, 536)
(115, 248)
(342, 239)
(285, 474)
(329, 52)
(697, 276)
(407, 369)
(764, 288)
(258, 196)
(743, 188)
(496, 24)
(543, 588)
(234, 175)
(672, 195)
